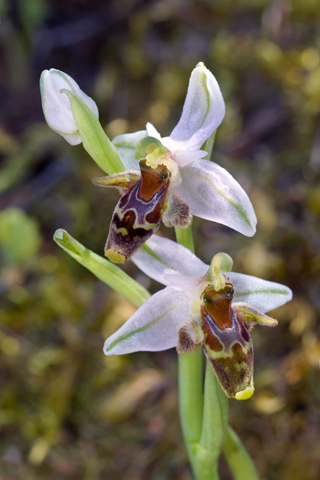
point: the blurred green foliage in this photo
(19, 235)
(66, 411)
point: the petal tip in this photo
(106, 348)
(252, 231)
(289, 293)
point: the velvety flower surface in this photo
(201, 305)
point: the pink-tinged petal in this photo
(160, 257)
(212, 193)
(260, 294)
(202, 113)
(126, 148)
(154, 326)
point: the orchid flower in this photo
(201, 305)
(167, 178)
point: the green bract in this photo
(74, 115)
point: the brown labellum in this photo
(139, 211)
(227, 343)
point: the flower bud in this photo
(56, 104)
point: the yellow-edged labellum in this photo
(245, 394)
(115, 257)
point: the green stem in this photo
(215, 423)
(203, 419)
(204, 455)
(190, 367)
(190, 398)
(184, 237)
(238, 458)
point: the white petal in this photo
(182, 282)
(160, 257)
(202, 113)
(183, 157)
(212, 193)
(56, 105)
(154, 326)
(260, 294)
(153, 132)
(126, 148)
(72, 138)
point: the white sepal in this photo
(212, 193)
(154, 326)
(183, 157)
(202, 113)
(153, 132)
(56, 105)
(126, 148)
(260, 294)
(161, 257)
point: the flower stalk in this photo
(203, 416)
(190, 367)
(184, 237)
(214, 426)
(190, 381)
